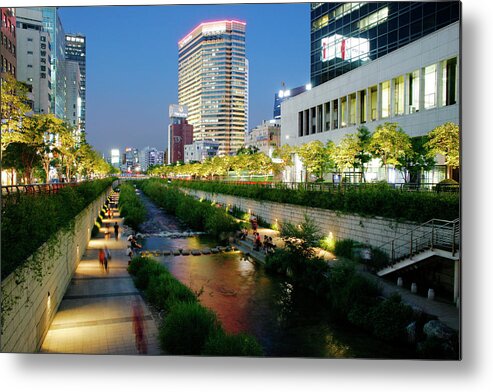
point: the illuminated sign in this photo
(178, 111)
(214, 28)
(345, 48)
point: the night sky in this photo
(132, 63)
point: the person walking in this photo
(138, 325)
(101, 257)
(116, 230)
(107, 256)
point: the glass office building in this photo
(213, 82)
(345, 36)
(75, 50)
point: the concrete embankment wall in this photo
(30, 299)
(372, 231)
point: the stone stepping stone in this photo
(166, 252)
(206, 251)
(214, 250)
(221, 248)
(185, 252)
(176, 252)
(196, 252)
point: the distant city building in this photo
(130, 160)
(8, 42)
(266, 137)
(180, 133)
(213, 83)
(150, 156)
(282, 95)
(115, 158)
(201, 150)
(75, 50)
(34, 57)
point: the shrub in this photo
(344, 248)
(186, 329)
(164, 291)
(221, 344)
(131, 207)
(390, 318)
(28, 221)
(145, 272)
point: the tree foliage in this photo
(445, 140)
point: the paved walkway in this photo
(96, 315)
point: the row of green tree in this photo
(33, 143)
(389, 143)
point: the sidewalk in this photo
(96, 313)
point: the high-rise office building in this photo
(284, 94)
(8, 42)
(75, 50)
(213, 82)
(33, 58)
(345, 36)
(180, 133)
(53, 25)
(73, 94)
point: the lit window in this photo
(385, 99)
(430, 86)
(374, 19)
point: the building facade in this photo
(53, 25)
(8, 51)
(213, 82)
(34, 58)
(180, 133)
(75, 50)
(345, 36)
(266, 137)
(73, 94)
(150, 156)
(416, 86)
(201, 150)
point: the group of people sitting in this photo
(267, 245)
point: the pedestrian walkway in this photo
(97, 313)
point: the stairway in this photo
(433, 238)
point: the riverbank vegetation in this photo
(131, 207)
(369, 200)
(28, 221)
(188, 328)
(351, 297)
(196, 214)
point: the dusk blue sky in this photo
(132, 63)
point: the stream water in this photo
(286, 322)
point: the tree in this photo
(363, 156)
(345, 154)
(67, 149)
(317, 157)
(445, 140)
(23, 158)
(389, 142)
(250, 150)
(42, 131)
(416, 160)
(13, 109)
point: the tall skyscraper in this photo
(33, 58)
(345, 36)
(75, 50)
(8, 41)
(73, 96)
(213, 82)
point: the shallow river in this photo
(286, 322)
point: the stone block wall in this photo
(374, 231)
(30, 302)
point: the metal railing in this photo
(434, 234)
(35, 189)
